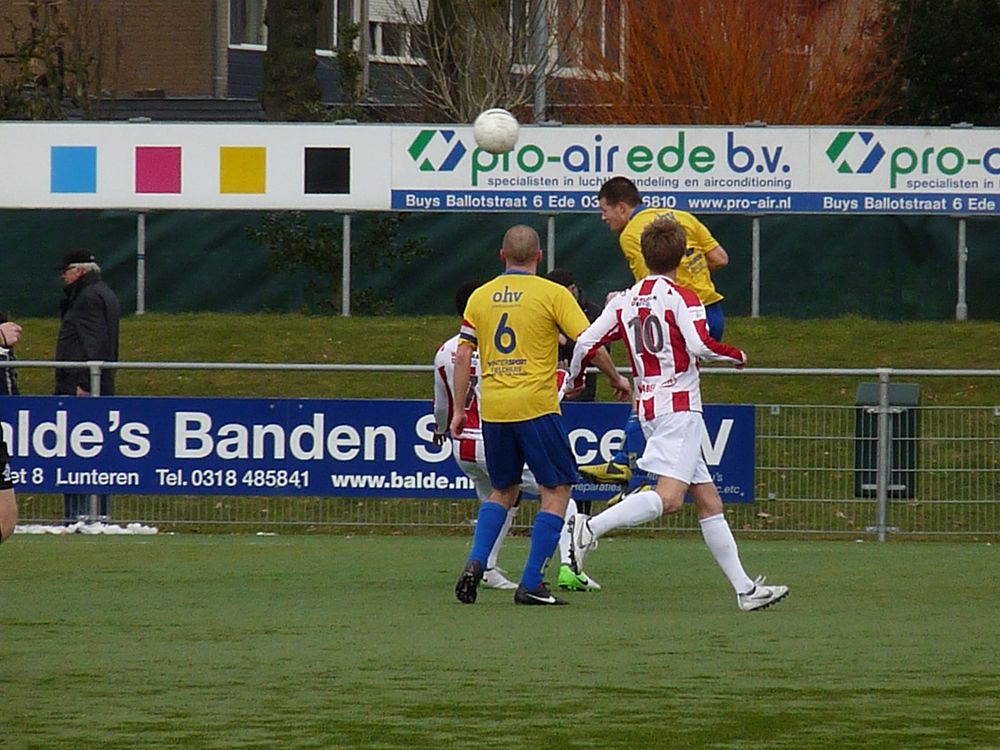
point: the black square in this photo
(328, 170)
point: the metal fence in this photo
(812, 477)
(872, 471)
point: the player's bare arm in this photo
(717, 257)
(620, 385)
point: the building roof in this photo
(181, 109)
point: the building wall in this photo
(166, 45)
(169, 45)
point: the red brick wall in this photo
(168, 45)
(165, 44)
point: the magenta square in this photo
(157, 169)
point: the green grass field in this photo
(331, 641)
(190, 641)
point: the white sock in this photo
(635, 509)
(571, 511)
(719, 538)
(491, 560)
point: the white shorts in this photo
(463, 451)
(673, 447)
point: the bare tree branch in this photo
(477, 54)
(63, 55)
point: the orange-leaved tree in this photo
(730, 62)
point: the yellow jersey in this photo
(693, 272)
(514, 321)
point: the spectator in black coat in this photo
(89, 315)
(88, 330)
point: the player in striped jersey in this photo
(665, 332)
(470, 455)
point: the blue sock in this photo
(488, 524)
(639, 478)
(544, 540)
(633, 443)
(621, 455)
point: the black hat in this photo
(76, 256)
(561, 276)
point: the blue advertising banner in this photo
(317, 447)
(778, 202)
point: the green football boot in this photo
(570, 581)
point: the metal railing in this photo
(806, 477)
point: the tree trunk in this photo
(290, 90)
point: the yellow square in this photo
(242, 169)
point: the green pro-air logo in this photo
(437, 150)
(855, 152)
(917, 165)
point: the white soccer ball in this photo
(495, 131)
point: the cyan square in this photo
(74, 169)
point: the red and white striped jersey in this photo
(444, 386)
(664, 328)
(444, 382)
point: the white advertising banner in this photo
(746, 170)
(705, 170)
(194, 166)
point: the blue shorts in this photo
(715, 319)
(541, 443)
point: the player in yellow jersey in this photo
(514, 321)
(623, 211)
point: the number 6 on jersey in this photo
(504, 333)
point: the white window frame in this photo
(381, 12)
(320, 52)
(376, 53)
(387, 12)
(256, 46)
